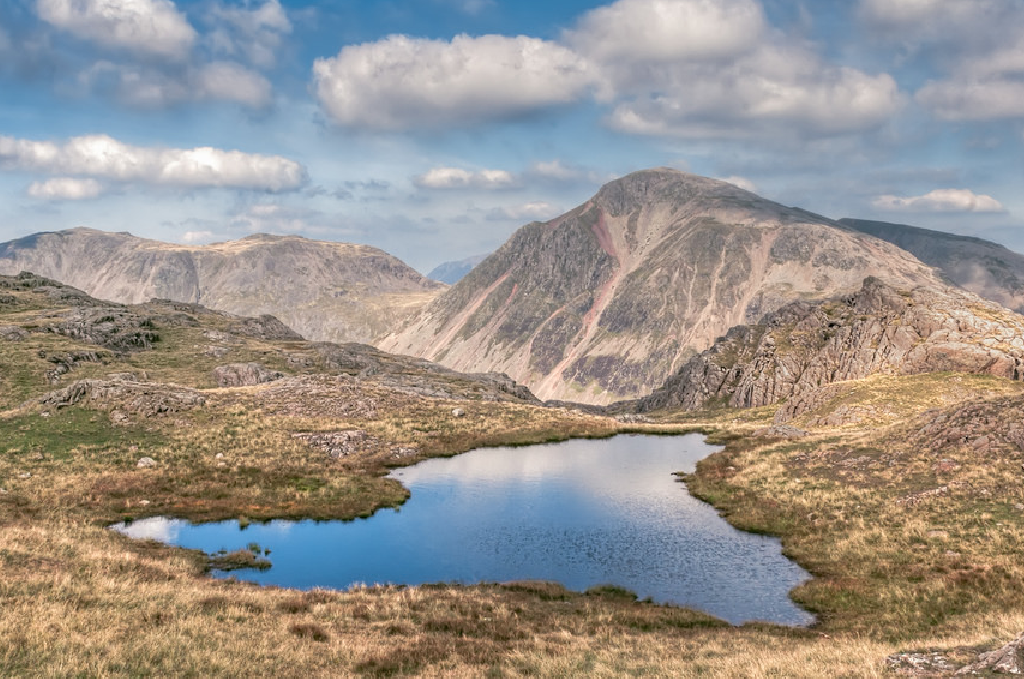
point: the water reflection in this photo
(580, 512)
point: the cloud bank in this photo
(102, 157)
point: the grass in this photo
(914, 540)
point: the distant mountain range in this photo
(326, 291)
(597, 305)
(985, 268)
(453, 272)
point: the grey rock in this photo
(12, 333)
(1006, 660)
(146, 462)
(802, 349)
(458, 412)
(244, 375)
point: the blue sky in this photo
(434, 128)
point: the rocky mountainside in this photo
(603, 302)
(985, 268)
(453, 272)
(798, 351)
(55, 337)
(325, 291)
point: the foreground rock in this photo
(803, 348)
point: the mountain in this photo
(325, 291)
(985, 268)
(453, 272)
(796, 352)
(603, 302)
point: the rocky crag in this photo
(62, 347)
(336, 292)
(987, 269)
(603, 302)
(796, 353)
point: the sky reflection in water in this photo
(582, 513)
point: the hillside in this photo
(985, 268)
(325, 291)
(453, 272)
(605, 301)
(794, 354)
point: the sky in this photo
(434, 128)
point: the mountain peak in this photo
(602, 302)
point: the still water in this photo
(582, 513)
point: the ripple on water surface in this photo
(582, 513)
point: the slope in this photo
(603, 302)
(325, 291)
(985, 268)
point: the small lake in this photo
(581, 512)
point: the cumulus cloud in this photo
(100, 156)
(197, 236)
(149, 27)
(147, 87)
(940, 200)
(741, 182)
(668, 30)
(547, 171)
(977, 43)
(255, 33)
(456, 178)
(65, 188)
(534, 211)
(230, 82)
(402, 83)
(778, 88)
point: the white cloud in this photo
(147, 87)
(255, 33)
(779, 87)
(958, 99)
(940, 200)
(668, 30)
(100, 156)
(534, 211)
(977, 42)
(232, 82)
(741, 182)
(65, 188)
(402, 83)
(714, 68)
(456, 178)
(151, 27)
(197, 236)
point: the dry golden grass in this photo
(897, 565)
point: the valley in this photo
(898, 489)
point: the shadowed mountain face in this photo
(325, 291)
(985, 268)
(605, 301)
(453, 272)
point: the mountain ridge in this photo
(602, 302)
(324, 290)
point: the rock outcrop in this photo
(244, 375)
(336, 292)
(987, 269)
(603, 302)
(796, 352)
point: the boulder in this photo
(244, 375)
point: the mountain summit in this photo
(603, 302)
(337, 292)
